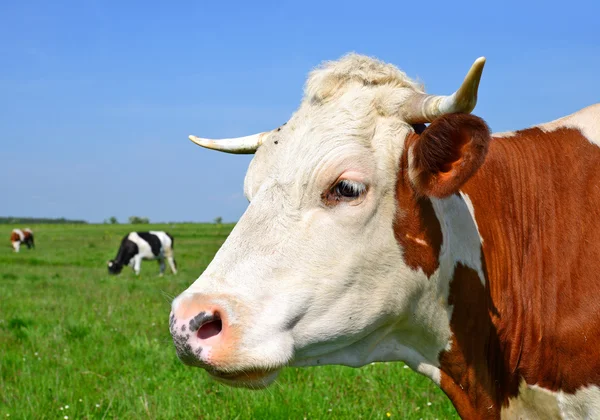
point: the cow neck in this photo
(126, 252)
(476, 373)
(465, 374)
(508, 329)
(440, 238)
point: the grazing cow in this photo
(18, 237)
(370, 237)
(138, 246)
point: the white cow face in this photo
(314, 271)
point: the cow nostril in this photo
(206, 325)
(210, 329)
(201, 319)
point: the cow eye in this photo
(349, 189)
(345, 190)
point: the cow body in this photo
(138, 246)
(536, 204)
(370, 237)
(18, 237)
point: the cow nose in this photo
(206, 325)
(199, 328)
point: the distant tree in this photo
(136, 220)
(218, 220)
(113, 220)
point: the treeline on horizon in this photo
(39, 220)
(133, 220)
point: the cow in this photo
(138, 246)
(22, 236)
(372, 237)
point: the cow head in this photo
(114, 267)
(337, 258)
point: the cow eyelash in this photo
(349, 189)
(345, 190)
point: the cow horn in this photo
(240, 145)
(423, 108)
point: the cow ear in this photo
(447, 153)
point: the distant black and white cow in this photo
(138, 246)
(18, 237)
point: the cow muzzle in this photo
(206, 335)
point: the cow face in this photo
(114, 267)
(314, 271)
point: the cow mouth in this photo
(253, 379)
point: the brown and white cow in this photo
(24, 236)
(369, 237)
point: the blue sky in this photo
(97, 98)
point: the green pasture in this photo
(77, 343)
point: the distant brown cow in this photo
(18, 237)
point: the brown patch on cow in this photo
(26, 235)
(537, 206)
(474, 371)
(448, 153)
(14, 237)
(539, 200)
(416, 226)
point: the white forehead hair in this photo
(332, 78)
(343, 98)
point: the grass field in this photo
(78, 343)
